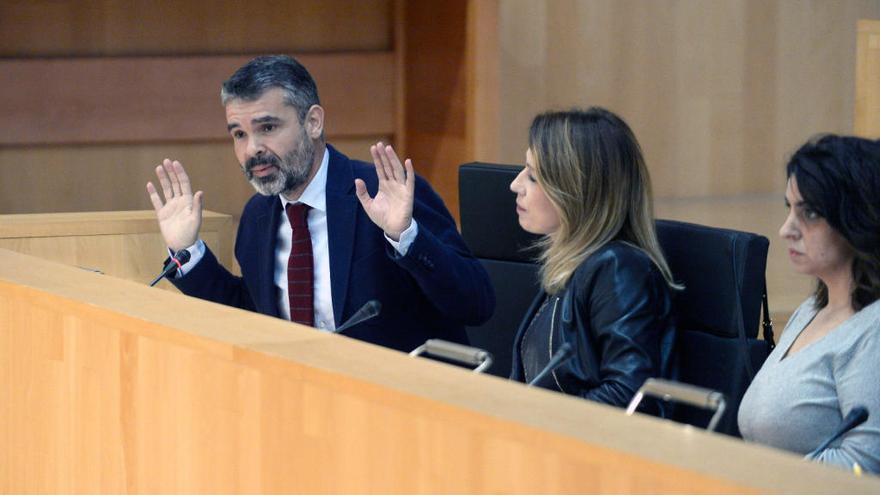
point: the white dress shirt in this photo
(314, 196)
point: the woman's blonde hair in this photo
(590, 166)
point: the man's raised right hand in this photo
(180, 217)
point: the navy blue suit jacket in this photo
(432, 292)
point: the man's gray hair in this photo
(273, 71)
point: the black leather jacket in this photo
(616, 311)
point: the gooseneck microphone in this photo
(369, 310)
(857, 415)
(174, 263)
(563, 354)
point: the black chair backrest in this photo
(491, 230)
(719, 267)
(489, 223)
(717, 314)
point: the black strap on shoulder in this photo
(745, 355)
(766, 322)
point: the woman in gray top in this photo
(827, 361)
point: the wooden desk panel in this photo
(124, 244)
(107, 386)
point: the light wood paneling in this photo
(92, 223)
(436, 92)
(49, 28)
(113, 177)
(867, 120)
(484, 79)
(109, 387)
(97, 92)
(124, 244)
(173, 99)
(718, 93)
(450, 94)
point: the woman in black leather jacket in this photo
(606, 286)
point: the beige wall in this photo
(867, 119)
(718, 92)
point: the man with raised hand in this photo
(324, 234)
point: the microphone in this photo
(563, 354)
(172, 265)
(856, 416)
(369, 310)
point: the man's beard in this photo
(291, 172)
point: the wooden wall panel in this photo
(97, 92)
(718, 93)
(449, 87)
(484, 80)
(123, 244)
(49, 28)
(867, 118)
(436, 91)
(113, 177)
(97, 100)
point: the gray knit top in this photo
(797, 401)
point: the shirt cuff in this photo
(196, 252)
(406, 238)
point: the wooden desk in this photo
(125, 244)
(107, 386)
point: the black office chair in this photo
(490, 228)
(717, 313)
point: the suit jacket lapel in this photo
(267, 227)
(342, 211)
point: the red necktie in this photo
(300, 267)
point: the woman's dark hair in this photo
(839, 178)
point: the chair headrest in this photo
(722, 269)
(489, 224)
(718, 267)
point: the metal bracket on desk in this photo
(681, 392)
(471, 356)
